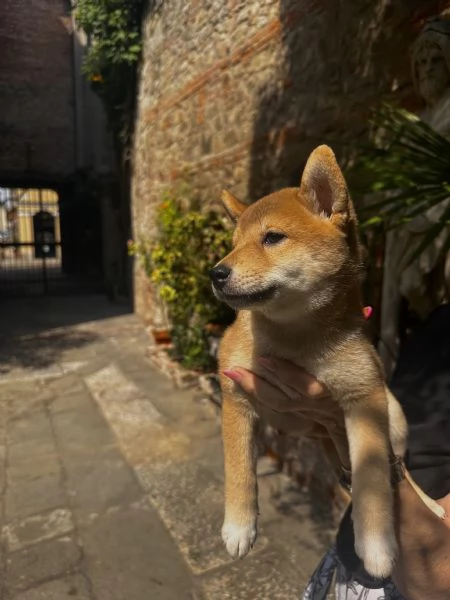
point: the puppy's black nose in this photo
(219, 275)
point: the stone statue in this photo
(431, 79)
(431, 73)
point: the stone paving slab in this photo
(31, 374)
(297, 527)
(95, 486)
(19, 375)
(68, 588)
(80, 430)
(260, 576)
(2, 469)
(190, 503)
(131, 557)
(126, 409)
(38, 528)
(42, 562)
(70, 401)
(25, 400)
(22, 429)
(31, 460)
(67, 384)
(3, 408)
(142, 432)
(26, 497)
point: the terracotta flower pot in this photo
(161, 336)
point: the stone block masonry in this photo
(235, 94)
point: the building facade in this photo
(236, 94)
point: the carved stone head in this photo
(431, 61)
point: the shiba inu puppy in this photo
(294, 278)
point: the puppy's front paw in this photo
(377, 551)
(239, 538)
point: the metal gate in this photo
(30, 242)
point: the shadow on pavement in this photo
(35, 332)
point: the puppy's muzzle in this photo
(220, 276)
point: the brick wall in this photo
(36, 88)
(236, 93)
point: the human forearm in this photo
(423, 563)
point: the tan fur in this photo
(312, 316)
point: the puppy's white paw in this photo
(378, 552)
(239, 539)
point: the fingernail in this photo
(232, 374)
(266, 362)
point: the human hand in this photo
(307, 405)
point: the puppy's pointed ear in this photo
(323, 184)
(233, 206)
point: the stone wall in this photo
(236, 93)
(37, 120)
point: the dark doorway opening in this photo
(35, 256)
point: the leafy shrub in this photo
(407, 167)
(189, 243)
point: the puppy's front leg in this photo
(241, 494)
(367, 427)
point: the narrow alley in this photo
(111, 479)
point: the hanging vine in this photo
(113, 28)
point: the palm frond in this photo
(406, 170)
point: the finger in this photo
(278, 397)
(265, 392)
(271, 397)
(294, 377)
(292, 385)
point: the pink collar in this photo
(367, 312)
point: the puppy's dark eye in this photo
(273, 237)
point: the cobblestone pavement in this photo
(111, 479)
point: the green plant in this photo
(189, 243)
(114, 30)
(407, 166)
